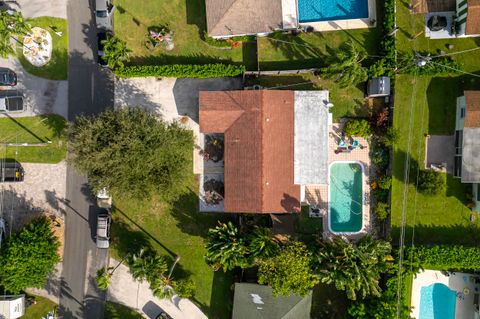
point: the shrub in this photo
(379, 157)
(181, 70)
(384, 182)
(382, 210)
(391, 136)
(431, 182)
(446, 257)
(382, 118)
(357, 128)
(185, 288)
(381, 195)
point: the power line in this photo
(455, 69)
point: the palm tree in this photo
(162, 287)
(347, 67)
(226, 248)
(103, 277)
(262, 243)
(147, 264)
(11, 26)
(354, 268)
(116, 52)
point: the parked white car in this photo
(104, 14)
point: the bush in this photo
(185, 288)
(384, 182)
(380, 157)
(381, 195)
(431, 182)
(391, 136)
(357, 128)
(446, 257)
(382, 210)
(181, 70)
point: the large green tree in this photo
(288, 271)
(12, 25)
(133, 153)
(116, 52)
(352, 267)
(346, 67)
(28, 257)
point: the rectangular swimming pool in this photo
(345, 198)
(330, 10)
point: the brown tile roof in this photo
(473, 17)
(424, 6)
(472, 118)
(235, 17)
(259, 156)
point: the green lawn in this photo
(37, 129)
(186, 18)
(56, 69)
(349, 101)
(118, 311)
(175, 229)
(40, 309)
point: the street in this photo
(90, 91)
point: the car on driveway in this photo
(11, 172)
(11, 101)
(101, 36)
(3, 230)
(7, 77)
(104, 14)
(104, 219)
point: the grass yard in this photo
(442, 218)
(40, 309)
(347, 101)
(118, 311)
(37, 129)
(175, 229)
(186, 18)
(57, 68)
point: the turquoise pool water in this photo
(329, 10)
(437, 301)
(346, 193)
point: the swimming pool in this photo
(437, 301)
(345, 197)
(329, 10)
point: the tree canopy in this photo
(352, 267)
(289, 271)
(28, 257)
(133, 153)
(11, 25)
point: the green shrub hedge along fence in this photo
(181, 70)
(446, 257)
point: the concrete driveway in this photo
(39, 8)
(41, 96)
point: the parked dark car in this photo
(7, 77)
(11, 103)
(11, 172)
(163, 315)
(104, 219)
(101, 36)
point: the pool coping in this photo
(329, 199)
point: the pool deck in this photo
(318, 194)
(464, 307)
(337, 25)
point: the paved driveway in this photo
(41, 96)
(39, 8)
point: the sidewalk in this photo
(123, 289)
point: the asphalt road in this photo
(90, 90)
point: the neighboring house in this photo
(449, 18)
(467, 143)
(227, 18)
(12, 307)
(257, 301)
(275, 143)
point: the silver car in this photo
(104, 14)
(11, 103)
(104, 220)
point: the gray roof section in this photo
(311, 138)
(379, 86)
(256, 301)
(471, 155)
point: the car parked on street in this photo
(11, 172)
(101, 36)
(7, 77)
(104, 14)
(104, 219)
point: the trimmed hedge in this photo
(446, 257)
(181, 70)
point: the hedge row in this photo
(181, 70)
(446, 257)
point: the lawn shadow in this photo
(56, 123)
(196, 14)
(249, 53)
(459, 234)
(221, 300)
(328, 303)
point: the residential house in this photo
(467, 143)
(275, 143)
(257, 301)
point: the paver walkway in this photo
(125, 290)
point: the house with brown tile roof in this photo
(467, 142)
(275, 142)
(227, 18)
